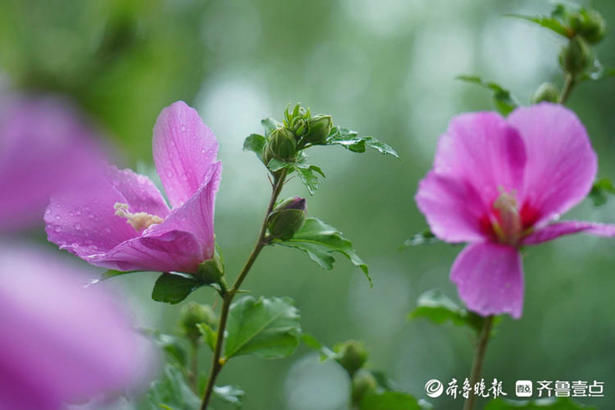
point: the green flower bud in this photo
(589, 24)
(546, 92)
(576, 56)
(191, 315)
(363, 383)
(287, 218)
(281, 145)
(351, 355)
(319, 129)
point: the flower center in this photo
(507, 223)
(138, 220)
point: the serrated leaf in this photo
(230, 394)
(265, 327)
(174, 287)
(255, 143)
(549, 22)
(438, 308)
(600, 191)
(424, 238)
(539, 404)
(351, 140)
(504, 101)
(209, 335)
(309, 176)
(320, 241)
(172, 391)
(270, 124)
(389, 401)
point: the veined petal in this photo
(170, 251)
(184, 150)
(555, 230)
(83, 220)
(485, 152)
(196, 215)
(561, 163)
(452, 207)
(489, 279)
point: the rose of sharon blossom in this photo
(499, 184)
(62, 342)
(45, 145)
(122, 221)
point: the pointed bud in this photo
(191, 315)
(363, 383)
(576, 56)
(546, 92)
(281, 145)
(351, 355)
(589, 24)
(319, 129)
(287, 218)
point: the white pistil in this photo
(139, 220)
(508, 226)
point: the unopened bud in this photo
(546, 92)
(589, 24)
(193, 314)
(319, 129)
(281, 145)
(352, 355)
(363, 382)
(575, 57)
(287, 218)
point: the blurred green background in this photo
(386, 68)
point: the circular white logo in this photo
(434, 388)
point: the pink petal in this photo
(489, 279)
(484, 151)
(558, 229)
(452, 207)
(63, 342)
(184, 151)
(196, 215)
(561, 163)
(170, 251)
(83, 220)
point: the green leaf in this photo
(437, 307)
(353, 142)
(255, 143)
(549, 22)
(270, 124)
(601, 189)
(389, 401)
(309, 176)
(174, 287)
(111, 273)
(320, 241)
(230, 394)
(171, 346)
(313, 343)
(209, 335)
(265, 327)
(275, 165)
(424, 238)
(504, 101)
(539, 404)
(171, 391)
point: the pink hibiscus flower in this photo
(499, 184)
(121, 220)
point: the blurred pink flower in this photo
(122, 221)
(499, 184)
(45, 145)
(62, 342)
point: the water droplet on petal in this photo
(78, 227)
(57, 229)
(57, 217)
(108, 230)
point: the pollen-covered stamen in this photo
(138, 220)
(507, 224)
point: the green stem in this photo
(569, 84)
(217, 360)
(479, 356)
(193, 378)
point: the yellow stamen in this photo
(139, 220)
